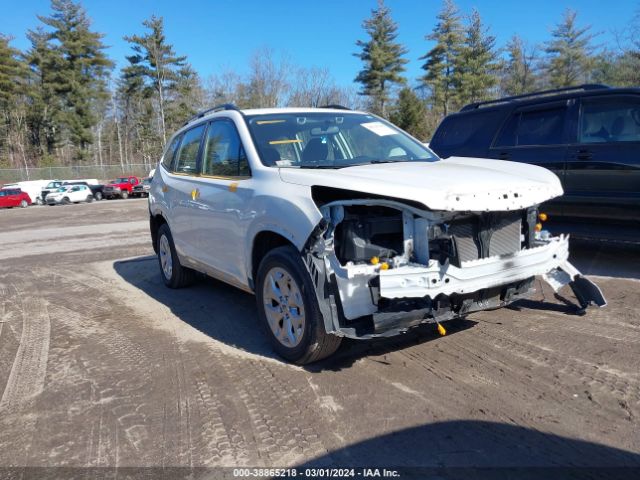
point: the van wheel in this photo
(124, 194)
(24, 204)
(174, 275)
(288, 308)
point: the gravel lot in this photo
(102, 366)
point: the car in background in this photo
(67, 194)
(121, 187)
(96, 189)
(14, 197)
(588, 135)
(32, 187)
(142, 189)
(52, 186)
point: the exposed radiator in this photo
(487, 235)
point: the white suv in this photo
(345, 226)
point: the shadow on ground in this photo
(605, 259)
(476, 449)
(229, 315)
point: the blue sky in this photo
(222, 34)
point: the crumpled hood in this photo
(454, 184)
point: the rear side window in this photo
(470, 131)
(533, 127)
(541, 127)
(610, 120)
(187, 154)
(167, 158)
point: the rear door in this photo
(181, 196)
(222, 208)
(603, 164)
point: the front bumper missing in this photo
(549, 260)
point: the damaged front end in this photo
(381, 266)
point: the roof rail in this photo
(335, 106)
(587, 86)
(217, 108)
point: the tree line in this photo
(62, 103)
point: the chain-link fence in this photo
(100, 172)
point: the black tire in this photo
(180, 276)
(65, 201)
(24, 204)
(98, 196)
(89, 198)
(124, 194)
(315, 343)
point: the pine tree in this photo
(477, 63)
(411, 114)
(46, 110)
(569, 52)
(82, 76)
(441, 73)
(157, 63)
(382, 58)
(13, 74)
(518, 73)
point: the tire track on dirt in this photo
(624, 386)
(26, 379)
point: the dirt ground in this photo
(102, 366)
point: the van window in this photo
(541, 127)
(187, 154)
(223, 152)
(471, 131)
(610, 120)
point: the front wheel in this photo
(174, 275)
(98, 196)
(65, 201)
(124, 194)
(23, 204)
(288, 308)
(89, 198)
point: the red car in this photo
(14, 197)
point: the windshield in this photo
(53, 184)
(332, 140)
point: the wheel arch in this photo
(155, 222)
(263, 242)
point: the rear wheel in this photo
(65, 201)
(98, 196)
(124, 194)
(174, 275)
(24, 204)
(288, 308)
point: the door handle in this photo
(583, 155)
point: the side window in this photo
(610, 120)
(187, 154)
(508, 134)
(541, 127)
(470, 131)
(223, 152)
(167, 158)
